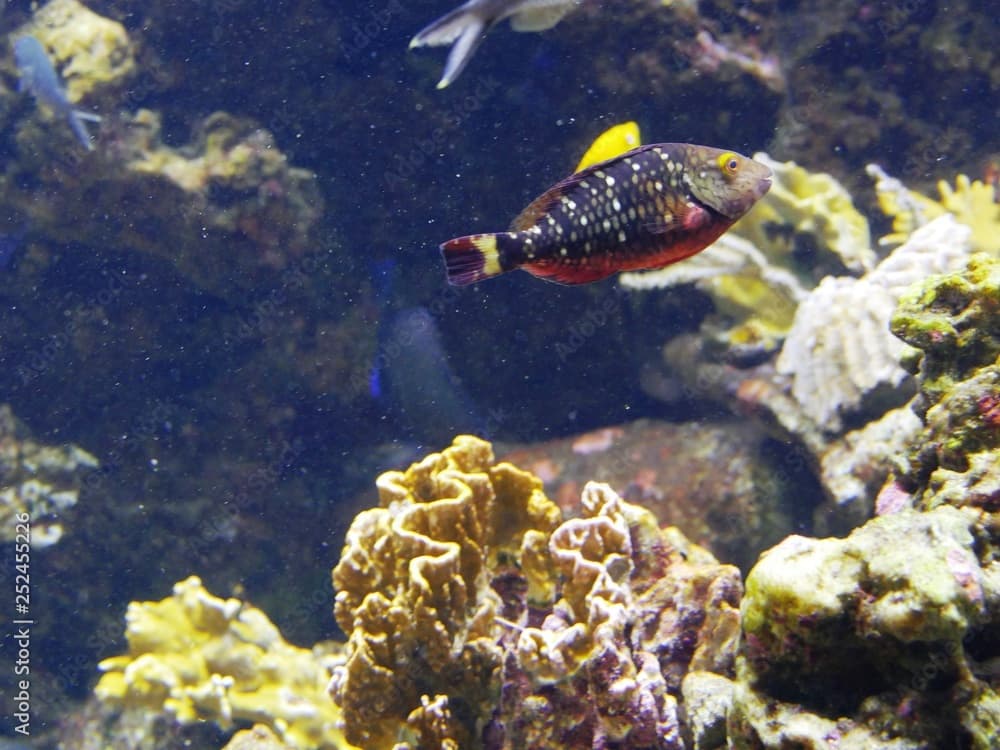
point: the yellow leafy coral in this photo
(972, 203)
(199, 657)
(414, 594)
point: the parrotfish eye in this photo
(729, 163)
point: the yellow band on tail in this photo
(471, 259)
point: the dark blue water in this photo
(237, 419)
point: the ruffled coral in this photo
(640, 608)
(197, 657)
(414, 591)
(476, 619)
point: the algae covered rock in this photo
(91, 52)
(846, 633)
(954, 320)
(226, 209)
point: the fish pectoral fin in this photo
(687, 219)
(540, 18)
(660, 225)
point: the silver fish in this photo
(465, 27)
(40, 78)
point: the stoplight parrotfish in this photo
(465, 27)
(644, 209)
(40, 78)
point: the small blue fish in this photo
(40, 78)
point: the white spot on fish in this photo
(621, 236)
(658, 185)
(583, 221)
(609, 180)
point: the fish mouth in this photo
(763, 185)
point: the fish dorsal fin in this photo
(539, 18)
(613, 142)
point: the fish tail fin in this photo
(76, 119)
(463, 28)
(474, 258)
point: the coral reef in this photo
(227, 210)
(954, 320)
(840, 352)
(839, 369)
(972, 203)
(808, 208)
(477, 619)
(41, 481)
(196, 657)
(640, 608)
(886, 639)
